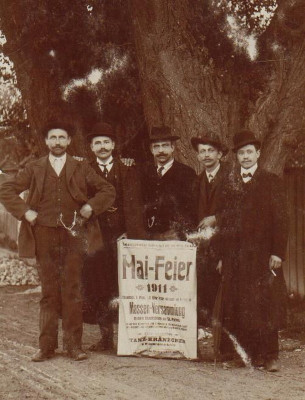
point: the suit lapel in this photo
(170, 172)
(202, 195)
(40, 169)
(71, 165)
(95, 166)
(214, 184)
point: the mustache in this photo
(161, 154)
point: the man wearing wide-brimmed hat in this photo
(210, 151)
(57, 225)
(124, 217)
(168, 189)
(253, 228)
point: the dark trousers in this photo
(208, 280)
(100, 285)
(60, 260)
(257, 344)
(261, 344)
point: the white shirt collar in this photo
(109, 161)
(249, 170)
(211, 175)
(62, 158)
(166, 166)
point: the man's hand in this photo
(209, 221)
(129, 162)
(275, 262)
(219, 267)
(31, 216)
(86, 211)
(77, 158)
(169, 235)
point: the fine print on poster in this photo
(158, 299)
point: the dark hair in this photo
(215, 146)
(54, 124)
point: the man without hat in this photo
(208, 185)
(253, 227)
(57, 226)
(167, 189)
(100, 276)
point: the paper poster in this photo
(158, 299)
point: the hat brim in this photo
(93, 135)
(245, 143)
(163, 138)
(197, 140)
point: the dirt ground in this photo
(106, 376)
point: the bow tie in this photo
(249, 175)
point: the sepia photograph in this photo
(152, 199)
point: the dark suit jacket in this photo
(80, 178)
(169, 201)
(128, 217)
(207, 194)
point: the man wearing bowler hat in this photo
(253, 229)
(58, 225)
(208, 185)
(125, 216)
(167, 189)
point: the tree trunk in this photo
(38, 78)
(183, 88)
(180, 84)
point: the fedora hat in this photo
(101, 129)
(212, 140)
(159, 133)
(244, 137)
(58, 124)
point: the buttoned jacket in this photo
(80, 178)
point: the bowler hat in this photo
(243, 138)
(159, 133)
(212, 140)
(58, 124)
(101, 129)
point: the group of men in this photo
(75, 212)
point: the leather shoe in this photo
(41, 355)
(77, 354)
(101, 345)
(272, 365)
(106, 340)
(258, 362)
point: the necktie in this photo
(159, 171)
(57, 166)
(249, 175)
(104, 169)
(211, 178)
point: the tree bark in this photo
(37, 78)
(183, 87)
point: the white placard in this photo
(158, 299)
